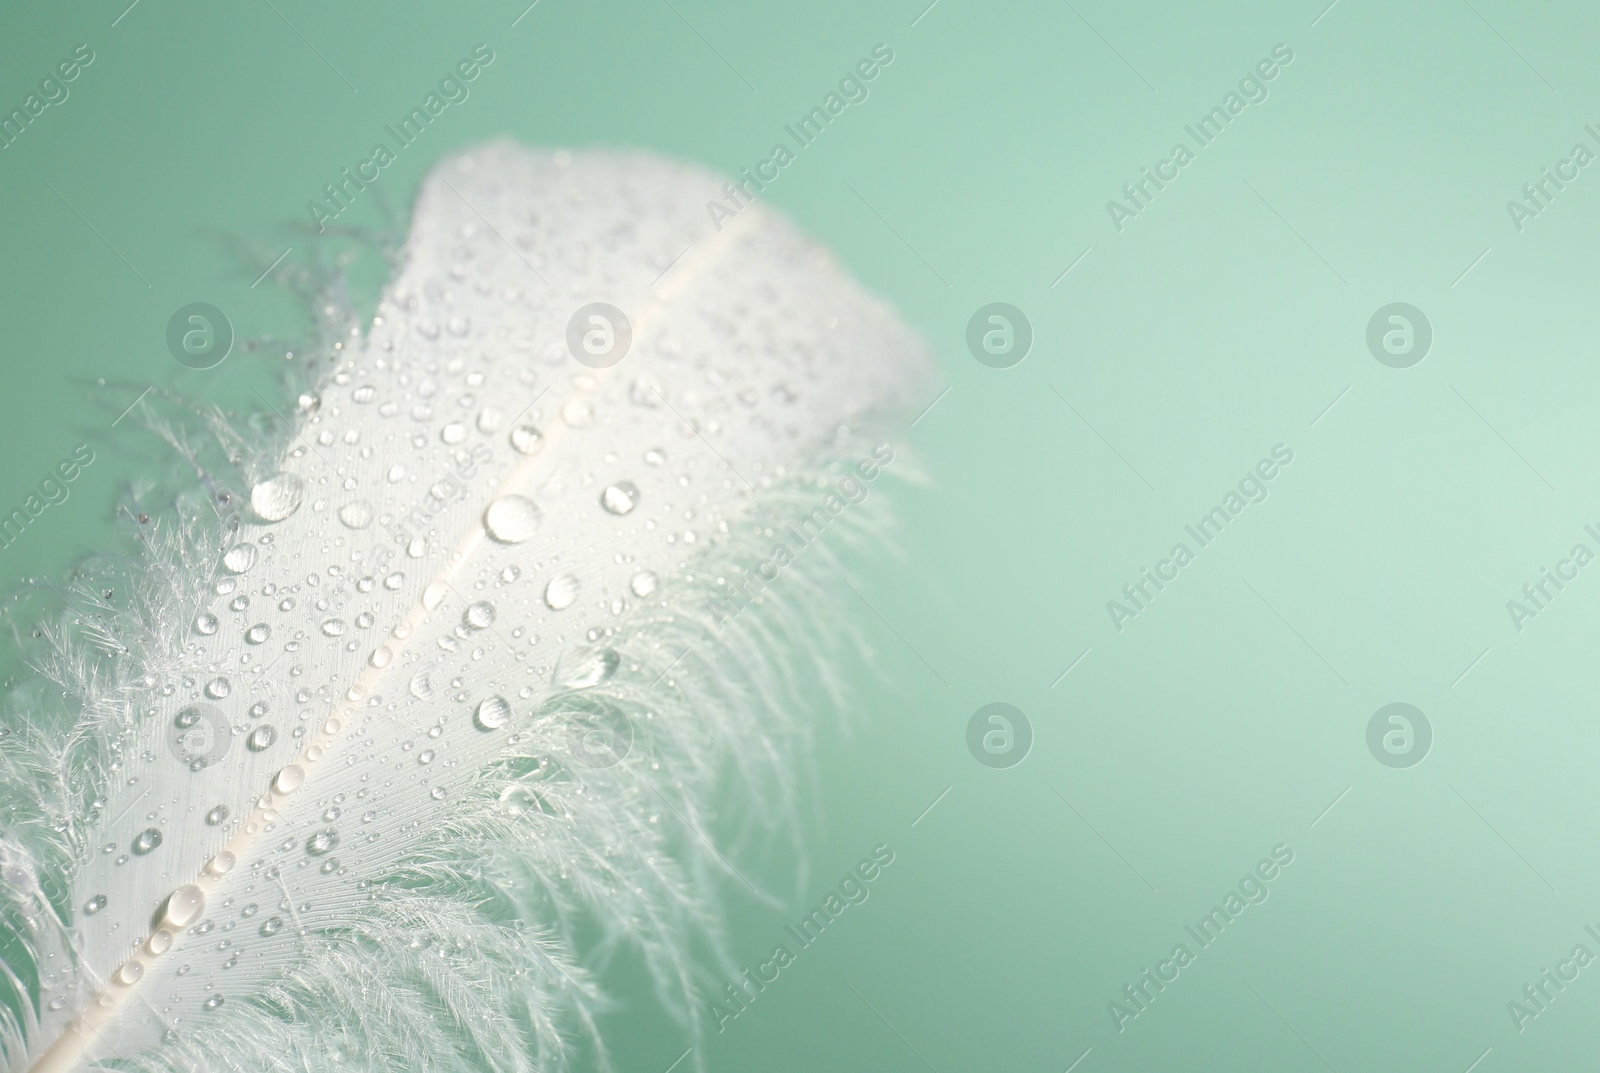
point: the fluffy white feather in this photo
(425, 697)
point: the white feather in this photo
(426, 838)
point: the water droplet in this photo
(438, 793)
(214, 1001)
(643, 583)
(479, 616)
(258, 633)
(333, 627)
(394, 581)
(527, 439)
(261, 738)
(421, 685)
(147, 840)
(356, 514)
(510, 573)
(289, 779)
(434, 595)
(453, 433)
(322, 842)
(240, 558)
(205, 623)
(655, 456)
(217, 815)
(578, 413)
(94, 905)
(381, 656)
(512, 519)
(277, 497)
(493, 713)
(129, 973)
(271, 926)
(561, 593)
(258, 709)
(620, 498)
(218, 688)
(592, 669)
(425, 757)
(187, 718)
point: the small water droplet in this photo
(425, 757)
(493, 713)
(421, 685)
(277, 497)
(258, 633)
(322, 842)
(438, 793)
(510, 573)
(94, 905)
(394, 581)
(271, 926)
(655, 456)
(333, 627)
(620, 498)
(147, 841)
(258, 709)
(561, 593)
(240, 558)
(453, 433)
(214, 1001)
(187, 718)
(261, 738)
(512, 519)
(218, 688)
(217, 815)
(205, 623)
(643, 583)
(381, 656)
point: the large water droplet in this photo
(277, 497)
(240, 558)
(592, 669)
(147, 840)
(527, 439)
(272, 926)
(620, 498)
(643, 583)
(333, 627)
(205, 623)
(322, 842)
(493, 713)
(261, 738)
(94, 905)
(356, 514)
(421, 685)
(218, 688)
(512, 519)
(561, 593)
(479, 616)
(258, 633)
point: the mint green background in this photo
(1193, 341)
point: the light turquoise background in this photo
(1223, 320)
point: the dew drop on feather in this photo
(277, 497)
